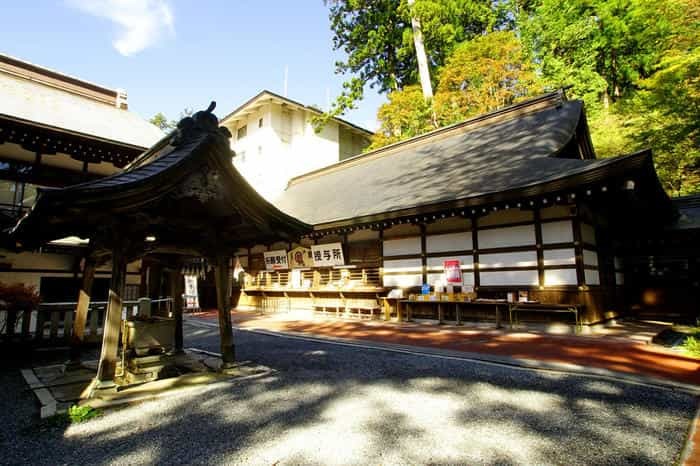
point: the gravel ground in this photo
(330, 404)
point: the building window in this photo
(260, 123)
(242, 132)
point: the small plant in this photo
(692, 345)
(82, 413)
(18, 297)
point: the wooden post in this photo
(223, 302)
(81, 311)
(110, 334)
(177, 288)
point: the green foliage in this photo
(484, 74)
(407, 114)
(161, 121)
(600, 47)
(82, 413)
(692, 346)
(635, 64)
(481, 75)
(377, 38)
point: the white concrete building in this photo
(274, 141)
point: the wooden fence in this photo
(52, 323)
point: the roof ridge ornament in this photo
(203, 121)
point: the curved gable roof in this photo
(506, 150)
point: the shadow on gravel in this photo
(327, 404)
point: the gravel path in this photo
(330, 404)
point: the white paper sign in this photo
(326, 255)
(276, 260)
(191, 296)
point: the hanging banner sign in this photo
(327, 255)
(453, 271)
(300, 257)
(276, 260)
(191, 297)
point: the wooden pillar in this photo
(539, 244)
(177, 288)
(228, 353)
(423, 255)
(475, 247)
(153, 280)
(81, 310)
(110, 333)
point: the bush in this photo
(692, 346)
(18, 297)
(82, 413)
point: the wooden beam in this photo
(107, 367)
(228, 353)
(177, 288)
(81, 310)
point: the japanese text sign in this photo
(276, 260)
(326, 255)
(453, 272)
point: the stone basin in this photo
(153, 335)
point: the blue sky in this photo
(172, 54)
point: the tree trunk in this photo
(423, 70)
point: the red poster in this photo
(453, 271)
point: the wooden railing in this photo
(359, 276)
(52, 323)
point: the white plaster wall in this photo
(403, 265)
(449, 242)
(558, 232)
(403, 281)
(517, 277)
(397, 247)
(590, 257)
(523, 235)
(619, 278)
(286, 146)
(587, 233)
(436, 263)
(467, 278)
(259, 153)
(592, 277)
(556, 277)
(508, 259)
(618, 263)
(559, 256)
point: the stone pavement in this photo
(623, 347)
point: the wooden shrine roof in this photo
(185, 192)
(529, 149)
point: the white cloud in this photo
(140, 23)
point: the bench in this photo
(514, 308)
(323, 305)
(363, 307)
